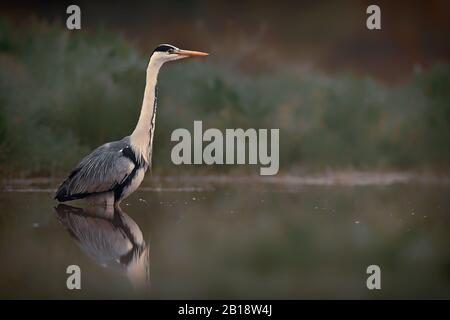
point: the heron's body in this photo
(116, 169)
(106, 176)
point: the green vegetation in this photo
(63, 93)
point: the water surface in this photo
(212, 238)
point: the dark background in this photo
(343, 96)
(328, 34)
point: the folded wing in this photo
(103, 170)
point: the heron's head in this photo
(166, 52)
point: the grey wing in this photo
(100, 171)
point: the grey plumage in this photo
(106, 169)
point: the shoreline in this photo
(194, 183)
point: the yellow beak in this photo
(190, 53)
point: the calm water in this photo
(230, 240)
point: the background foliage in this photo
(62, 94)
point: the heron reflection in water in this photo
(109, 237)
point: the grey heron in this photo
(114, 170)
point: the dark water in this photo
(231, 240)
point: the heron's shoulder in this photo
(115, 145)
(116, 151)
(110, 151)
(125, 149)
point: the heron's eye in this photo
(170, 51)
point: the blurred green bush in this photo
(64, 93)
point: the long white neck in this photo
(142, 136)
